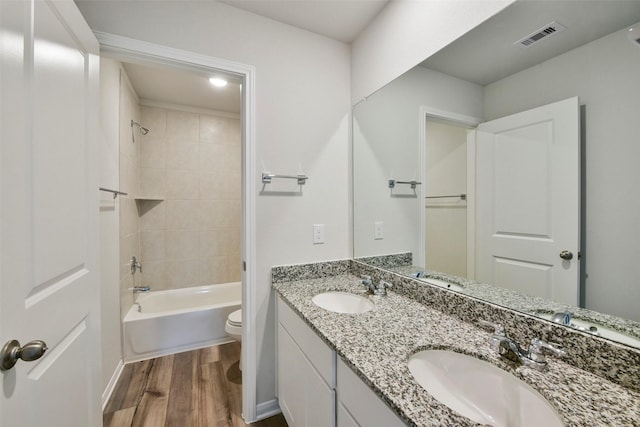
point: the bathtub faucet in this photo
(135, 264)
(140, 289)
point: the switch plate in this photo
(378, 230)
(318, 234)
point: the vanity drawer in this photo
(360, 402)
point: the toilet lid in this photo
(235, 318)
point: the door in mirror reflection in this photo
(527, 202)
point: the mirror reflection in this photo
(513, 152)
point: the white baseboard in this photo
(106, 394)
(267, 409)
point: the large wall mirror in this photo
(507, 165)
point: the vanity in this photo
(351, 369)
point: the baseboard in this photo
(267, 409)
(106, 394)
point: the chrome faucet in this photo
(135, 264)
(380, 289)
(140, 289)
(534, 357)
(563, 317)
(366, 280)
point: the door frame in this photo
(469, 122)
(124, 48)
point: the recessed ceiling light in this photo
(218, 82)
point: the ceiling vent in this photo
(543, 33)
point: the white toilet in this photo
(233, 327)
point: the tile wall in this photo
(129, 183)
(192, 162)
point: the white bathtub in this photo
(179, 320)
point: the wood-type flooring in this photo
(200, 388)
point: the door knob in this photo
(12, 351)
(566, 255)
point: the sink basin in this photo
(442, 283)
(596, 329)
(480, 391)
(343, 302)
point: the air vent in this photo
(545, 32)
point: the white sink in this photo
(442, 283)
(480, 391)
(343, 302)
(597, 329)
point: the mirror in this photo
(575, 49)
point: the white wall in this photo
(109, 218)
(445, 218)
(386, 139)
(407, 32)
(302, 116)
(604, 74)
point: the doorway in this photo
(133, 51)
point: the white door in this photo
(527, 202)
(48, 213)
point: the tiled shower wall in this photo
(192, 162)
(129, 183)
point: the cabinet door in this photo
(291, 363)
(320, 400)
(344, 417)
(304, 397)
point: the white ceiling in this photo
(186, 88)
(483, 55)
(487, 54)
(342, 20)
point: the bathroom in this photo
(179, 164)
(305, 129)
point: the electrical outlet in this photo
(378, 230)
(318, 234)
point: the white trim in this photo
(268, 409)
(188, 109)
(422, 144)
(136, 51)
(111, 386)
(460, 119)
(471, 204)
(468, 122)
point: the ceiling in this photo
(186, 88)
(342, 20)
(490, 47)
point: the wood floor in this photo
(199, 388)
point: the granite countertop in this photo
(520, 302)
(378, 343)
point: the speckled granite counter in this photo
(377, 345)
(519, 302)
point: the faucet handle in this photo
(497, 328)
(366, 280)
(384, 285)
(538, 348)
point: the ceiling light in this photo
(218, 82)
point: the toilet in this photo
(233, 327)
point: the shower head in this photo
(143, 130)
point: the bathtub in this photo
(179, 320)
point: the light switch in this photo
(318, 234)
(378, 230)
